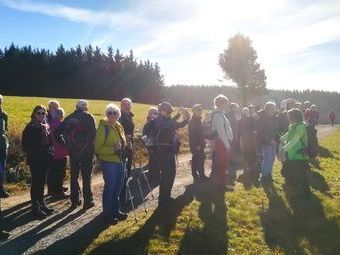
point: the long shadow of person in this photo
(309, 215)
(77, 242)
(318, 182)
(23, 242)
(212, 239)
(280, 229)
(160, 223)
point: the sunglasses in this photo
(40, 113)
(112, 113)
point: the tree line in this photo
(80, 72)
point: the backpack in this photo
(313, 145)
(208, 133)
(75, 135)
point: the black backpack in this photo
(313, 145)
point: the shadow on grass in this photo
(325, 153)
(318, 182)
(212, 239)
(306, 223)
(162, 221)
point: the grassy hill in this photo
(251, 220)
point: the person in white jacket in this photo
(222, 141)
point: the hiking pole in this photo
(130, 196)
(142, 195)
(145, 178)
(140, 188)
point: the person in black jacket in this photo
(36, 142)
(163, 130)
(126, 120)
(197, 143)
(3, 149)
(78, 130)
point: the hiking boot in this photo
(47, 210)
(88, 205)
(75, 204)
(110, 220)
(38, 214)
(3, 235)
(120, 216)
(60, 196)
(4, 193)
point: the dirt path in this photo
(71, 231)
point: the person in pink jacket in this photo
(58, 166)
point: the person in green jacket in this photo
(293, 152)
(109, 143)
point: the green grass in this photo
(251, 220)
(19, 110)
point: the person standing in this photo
(126, 120)
(36, 142)
(3, 149)
(222, 141)
(163, 130)
(267, 138)
(78, 131)
(314, 115)
(294, 155)
(109, 144)
(57, 171)
(246, 129)
(152, 164)
(332, 117)
(197, 144)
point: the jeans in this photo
(167, 166)
(83, 165)
(56, 175)
(268, 155)
(113, 174)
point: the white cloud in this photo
(185, 37)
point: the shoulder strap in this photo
(106, 133)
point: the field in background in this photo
(19, 110)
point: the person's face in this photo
(125, 106)
(112, 116)
(165, 113)
(271, 111)
(52, 108)
(197, 113)
(40, 115)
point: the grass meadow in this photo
(19, 110)
(270, 219)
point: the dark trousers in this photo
(3, 155)
(197, 163)
(38, 174)
(56, 175)
(295, 173)
(127, 161)
(154, 173)
(167, 166)
(84, 165)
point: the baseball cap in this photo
(165, 106)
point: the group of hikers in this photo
(260, 135)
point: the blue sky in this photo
(297, 41)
